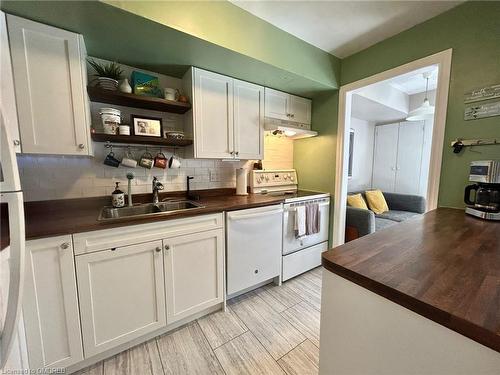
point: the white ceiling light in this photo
(426, 110)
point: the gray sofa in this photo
(401, 208)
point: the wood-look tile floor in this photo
(272, 330)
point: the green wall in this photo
(473, 31)
(314, 158)
(256, 51)
(228, 26)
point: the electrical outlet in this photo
(214, 175)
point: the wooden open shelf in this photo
(133, 139)
(97, 94)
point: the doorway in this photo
(387, 101)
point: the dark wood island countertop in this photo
(444, 265)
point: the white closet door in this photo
(409, 161)
(385, 156)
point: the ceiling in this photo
(370, 110)
(343, 28)
(378, 104)
(414, 82)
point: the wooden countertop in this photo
(68, 216)
(444, 265)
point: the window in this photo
(351, 152)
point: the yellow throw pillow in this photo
(376, 201)
(357, 201)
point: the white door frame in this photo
(443, 61)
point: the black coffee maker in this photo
(486, 201)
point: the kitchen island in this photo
(421, 297)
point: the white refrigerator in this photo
(11, 251)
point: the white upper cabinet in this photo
(300, 109)
(50, 78)
(122, 295)
(280, 105)
(277, 104)
(50, 304)
(7, 96)
(213, 115)
(248, 120)
(227, 120)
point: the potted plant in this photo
(107, 74)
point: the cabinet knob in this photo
(81, 146)
(158, 249)
(16, 142)
(256, 271)
(292, 115)
(167, 247)
(232, 152)
(237, 153)
(65, 245)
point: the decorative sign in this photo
(482, 93)
(473, 112)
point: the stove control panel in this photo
(272, 180)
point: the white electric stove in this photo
(299, 254)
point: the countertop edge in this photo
(472, 331)
(97, 226)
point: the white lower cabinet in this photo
(50, 304)
(121, 286)
(194, 272)
(122, 295)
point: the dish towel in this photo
(312, 218)
(300, 221)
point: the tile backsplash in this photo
(62, 177)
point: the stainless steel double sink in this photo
(147, 210)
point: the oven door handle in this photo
(293, 209)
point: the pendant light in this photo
(426, 110)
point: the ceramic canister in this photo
(110, 120)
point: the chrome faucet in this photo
(157, 185)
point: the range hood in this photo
(292, 130)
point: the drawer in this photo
(89, 242)
(303, 260)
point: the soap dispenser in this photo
(117, 197)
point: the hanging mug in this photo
(111, 160)
(128, 160)
(146, 160)
(161, 160)
(174, 162)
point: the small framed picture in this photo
(147, 126)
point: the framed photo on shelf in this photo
(145, 126)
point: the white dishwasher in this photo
(254, 242)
